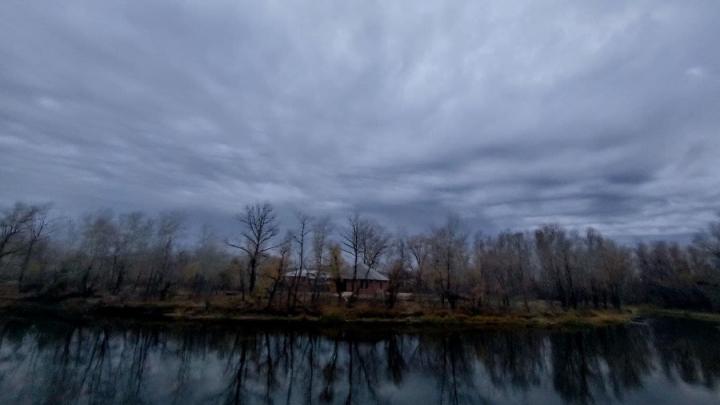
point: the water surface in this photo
(657, 361)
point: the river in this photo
(654, 361)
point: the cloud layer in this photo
(584, 113)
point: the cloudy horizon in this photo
(578, 113)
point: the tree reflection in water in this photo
(54, 362)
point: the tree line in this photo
(154, 257)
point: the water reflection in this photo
(662, 361)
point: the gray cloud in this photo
(584, 113)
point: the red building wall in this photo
(367, 287)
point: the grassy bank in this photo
(679, 313)
(229, 310)
(366, 312)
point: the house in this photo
(306, 275)
(369, 281)
(308, 279)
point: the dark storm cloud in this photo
(584, 113)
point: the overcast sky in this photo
(511, 114)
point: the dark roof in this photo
(364, 274)
(347, 274)
(305, 273)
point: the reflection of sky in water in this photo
(665, 363)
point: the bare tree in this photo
(397, 270)
(449, 258)
(299, 237)
(208, 262)
(36, 229)
(168, 231)
(558, 259)
(364, 241)
(351, 239)
(709, 242)
(524, 274)
(259, 229)
(321, 230)
(511, 266)
(140, 232)
(132, 253)
(98, 239)
(478, 279)
(617, 271)
(419, 247)
(14, 225)
(374, 242)
(335, 268)
(278, 271)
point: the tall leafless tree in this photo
(277, 272)
(449, 258)
(558, 258)
(36, 229)
(397, 270)
(419, 247)
(170, 224)
(15, 223)
(709, 242)
(99, 233)
(321, 229)
(374, 242)
(299, 237)
(259, 229)
(351, 239)
(335, 268)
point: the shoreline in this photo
(173, 312)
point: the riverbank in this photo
(679, 314)
(362, 314)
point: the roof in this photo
(347, 274)
(364, 274)
(305, 273)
